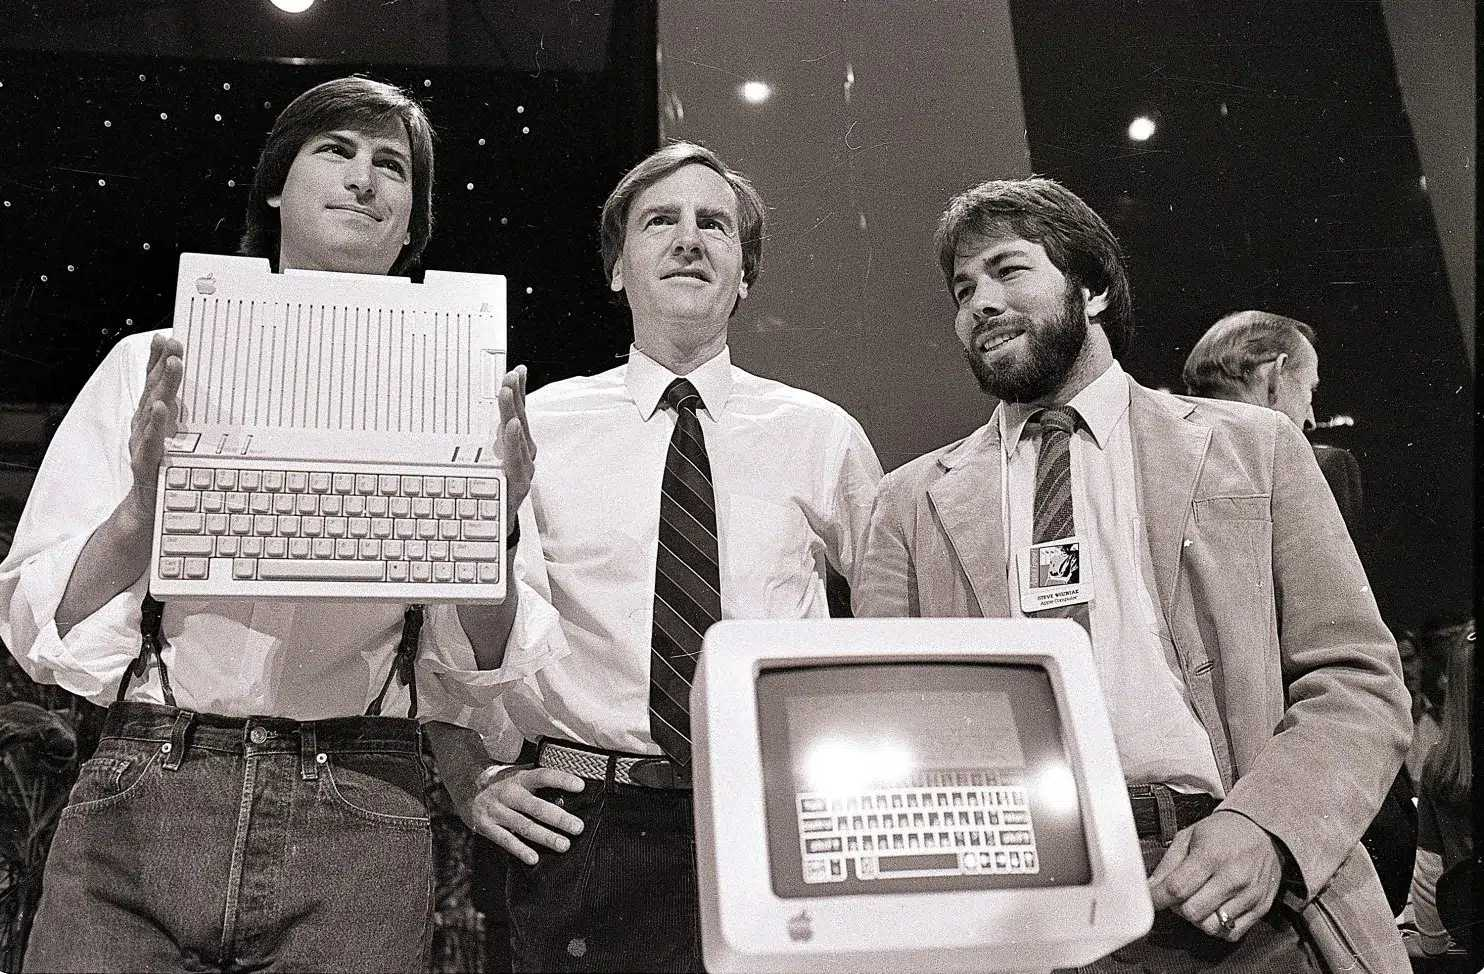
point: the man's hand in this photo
(517, 449)
(155, 419)
(1223, 862)
(507, 812)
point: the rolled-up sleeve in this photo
(85, 474)
(456, 689)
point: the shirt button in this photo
(258, 735)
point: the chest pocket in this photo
(1257, 507)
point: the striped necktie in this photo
(687, 579)
(1053, 517)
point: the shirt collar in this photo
(647, 381)
(1101, 404)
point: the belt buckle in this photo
(659, 773)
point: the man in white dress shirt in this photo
(771, 485)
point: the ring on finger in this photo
(1225, 920)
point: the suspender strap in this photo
(151, 639)
(403, 663)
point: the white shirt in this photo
(794, 478)
(303, 660)
(1158, 735)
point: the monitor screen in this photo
(908, 777)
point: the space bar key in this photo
(313, 571)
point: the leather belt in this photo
(1189, 809)
(594, 764)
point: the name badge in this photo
(1054, 574)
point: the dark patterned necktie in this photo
(1053, 517)
(687, 579)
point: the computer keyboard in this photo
(235, 527)
(975, 824)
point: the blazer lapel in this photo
(966, 500)
(1168, 453)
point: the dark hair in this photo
(751, 218)
(1448, 770)
(1221, 364)
(345, 103)
(1045, 212)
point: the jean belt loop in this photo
(610, 772)
(1169, 822)
(308, 753)
(175, 752)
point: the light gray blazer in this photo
(1277, 635)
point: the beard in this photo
(1051, 346)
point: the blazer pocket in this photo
(1257, 507)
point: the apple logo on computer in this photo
(801, 927)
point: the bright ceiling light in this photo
(756, 92)
(293, 6)
(1141, 128)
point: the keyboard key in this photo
(275, 547)
(273, 480)
(396, 571)
(412, 486)
(433, 486)
(365, 483)
(170, 567)
(264, 524)
(381, 527)
(177, 477)
(489, 509)
(345, 548)
(422, 507)
(437, 551)
(283, 503)
(323, 548)
(405, 527)
(201, 478)
(196, 567)
(187, 544)
(227, 547)
(288, 525)
(468, 509)
(370, 549)
(335, 527)
(296, 481)
(244, 568)
(355, 506)
(400, 507)
(391, 550)
(307, 504)
(312, 526)
(236, 502)
(376, 506)
(481, 530)
(260, 503)
(241, 524)
(180, 500)
(216, 524)
(417, 550)
(250, 480)
(389, 483)
(213, 500)
(309, 571)
(454, 486)
(466, 571)
(427, 529)
(226, 480)
(252, 547)
(344, 483)
(360, 527)
(177, 522)
(448, 529)
(421, 571)
(330, 504)
(319, 483)
(484, 487)
(477, 550)
(489, 571)
(442, 571)
(443, 509)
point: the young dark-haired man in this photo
(253, 804)
(1255, 696)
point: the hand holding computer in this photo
(517, 449)
(155, 418)
(1221, 874)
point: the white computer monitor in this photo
(909, 795)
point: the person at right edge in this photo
(1270, 360)
(1255, 696)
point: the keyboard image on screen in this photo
(242, 528)
(944, 823)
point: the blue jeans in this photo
(622, 897)
(193, 842)
(1273, 945)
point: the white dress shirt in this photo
(794, 478)
(1158, 735)
(302, 660)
